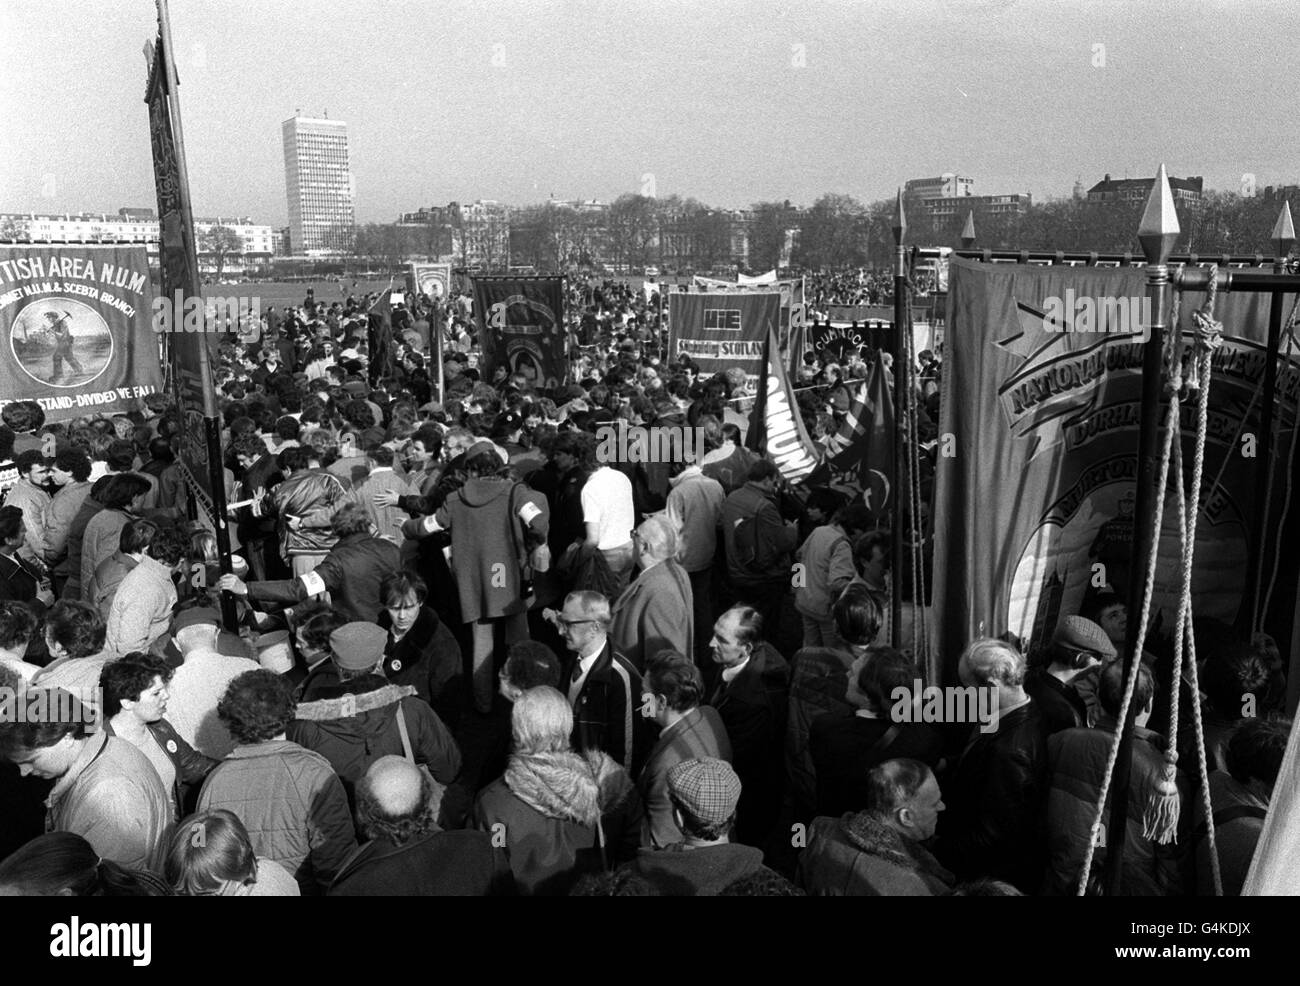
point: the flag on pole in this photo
(775, 425)
(860, 454)
(189, 354)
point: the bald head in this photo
(394, 786)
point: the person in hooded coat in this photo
(563, 814)
(355, 723)
(498, 531)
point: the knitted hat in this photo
(1084, 634)
(358, 646)
(707, 788)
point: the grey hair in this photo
(541, 722)
(894, 784)
(660, 536)
(594, 606)
(992, 661)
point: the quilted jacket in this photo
(292, 804)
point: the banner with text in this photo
(719, 331)
(521, 326)
(1035, 483)
(76, 329)
(791, 329)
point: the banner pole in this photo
(1157, 233)
(211, 421)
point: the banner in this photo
(719, 331)
(776, 425)
(1038, 436)
(188, 352)
(431, 280)
(521, 326)
(77, 329)
(833, 343)
(792, 327)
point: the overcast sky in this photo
(729, 101)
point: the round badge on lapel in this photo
(171, 746)
(395, 665)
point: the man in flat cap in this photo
(365, 717)
(704, 793)
(1077, 645)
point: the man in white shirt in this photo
(609, 515)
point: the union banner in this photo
(76, 331)
(1035, 482)
(719, 331)
(521, 326)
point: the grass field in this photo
(281, 293)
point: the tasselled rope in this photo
(1148, 587)
(1209, 338)
(1160, 823)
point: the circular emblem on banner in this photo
(171, 746)
(60, 342)
(395, 665)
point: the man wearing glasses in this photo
(602, 685)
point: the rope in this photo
(1171, 423)
(1161, 820)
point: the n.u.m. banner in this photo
(1035, 489)
(721, 331)
(76, 330)
(521, 326)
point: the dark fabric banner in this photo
(835, 342)
(1035, 482)
(719, 331)
(792, 328)
(521, 326)
(77, 325)
(189, 353)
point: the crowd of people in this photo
(466, 649)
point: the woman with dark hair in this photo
(62, 864)
(211, 855)
(497, 525)
(122, 499)
(134, 702)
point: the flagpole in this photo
(900, 416)
(211, 420)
